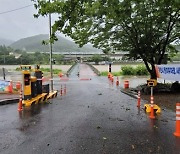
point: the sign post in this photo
(151, 83)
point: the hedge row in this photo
(105, 73)
(139, 70)
(129, 70)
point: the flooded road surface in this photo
(93, 117)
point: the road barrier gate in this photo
(32, 87)
(38, 74)
(26, 84)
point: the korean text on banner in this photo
(168, 72)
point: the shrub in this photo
(141, 70)
(116, 73)
(105, 73)
(55, 71)
(128, 70)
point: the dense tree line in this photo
(9, 56)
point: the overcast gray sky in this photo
(20, 24)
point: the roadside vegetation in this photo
(9, 56)
(129, 70)
(55, 71)
(45, 70)
(176, 57)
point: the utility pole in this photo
(50, 46)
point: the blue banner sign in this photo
(168, 72)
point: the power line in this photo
(15, 9)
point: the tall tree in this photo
(145, 28)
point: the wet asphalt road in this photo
(93, 117)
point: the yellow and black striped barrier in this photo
(52, 94)
(147, 107)
(40, 98)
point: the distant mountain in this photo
(5, 42)
(34, 43)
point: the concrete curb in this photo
(9, 101)
(94, 69)
(70, 69)
(130, 93)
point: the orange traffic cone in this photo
(18, 85)
(109, 75)
(20, 100)
(61, 91)
(152, 108)
(64, 89)
(177, 132)
(139, 99)
(112, 78)
(10, 87)
(117, 82)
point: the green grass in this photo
(129, 70)
(116, 73)
(105, 73)
(45, 70)
(55, 71)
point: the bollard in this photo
(64, 89)
(61, 91)
(152, 108)
(18, 85)
(139, 99)
(117, 82)
(177, 132)
(20, 99)
(126, 84)
(152, 105)
(61, 74)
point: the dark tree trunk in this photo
(153, 72)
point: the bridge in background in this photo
(77, 55)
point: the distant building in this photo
(16, 55)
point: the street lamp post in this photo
(50, 46)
